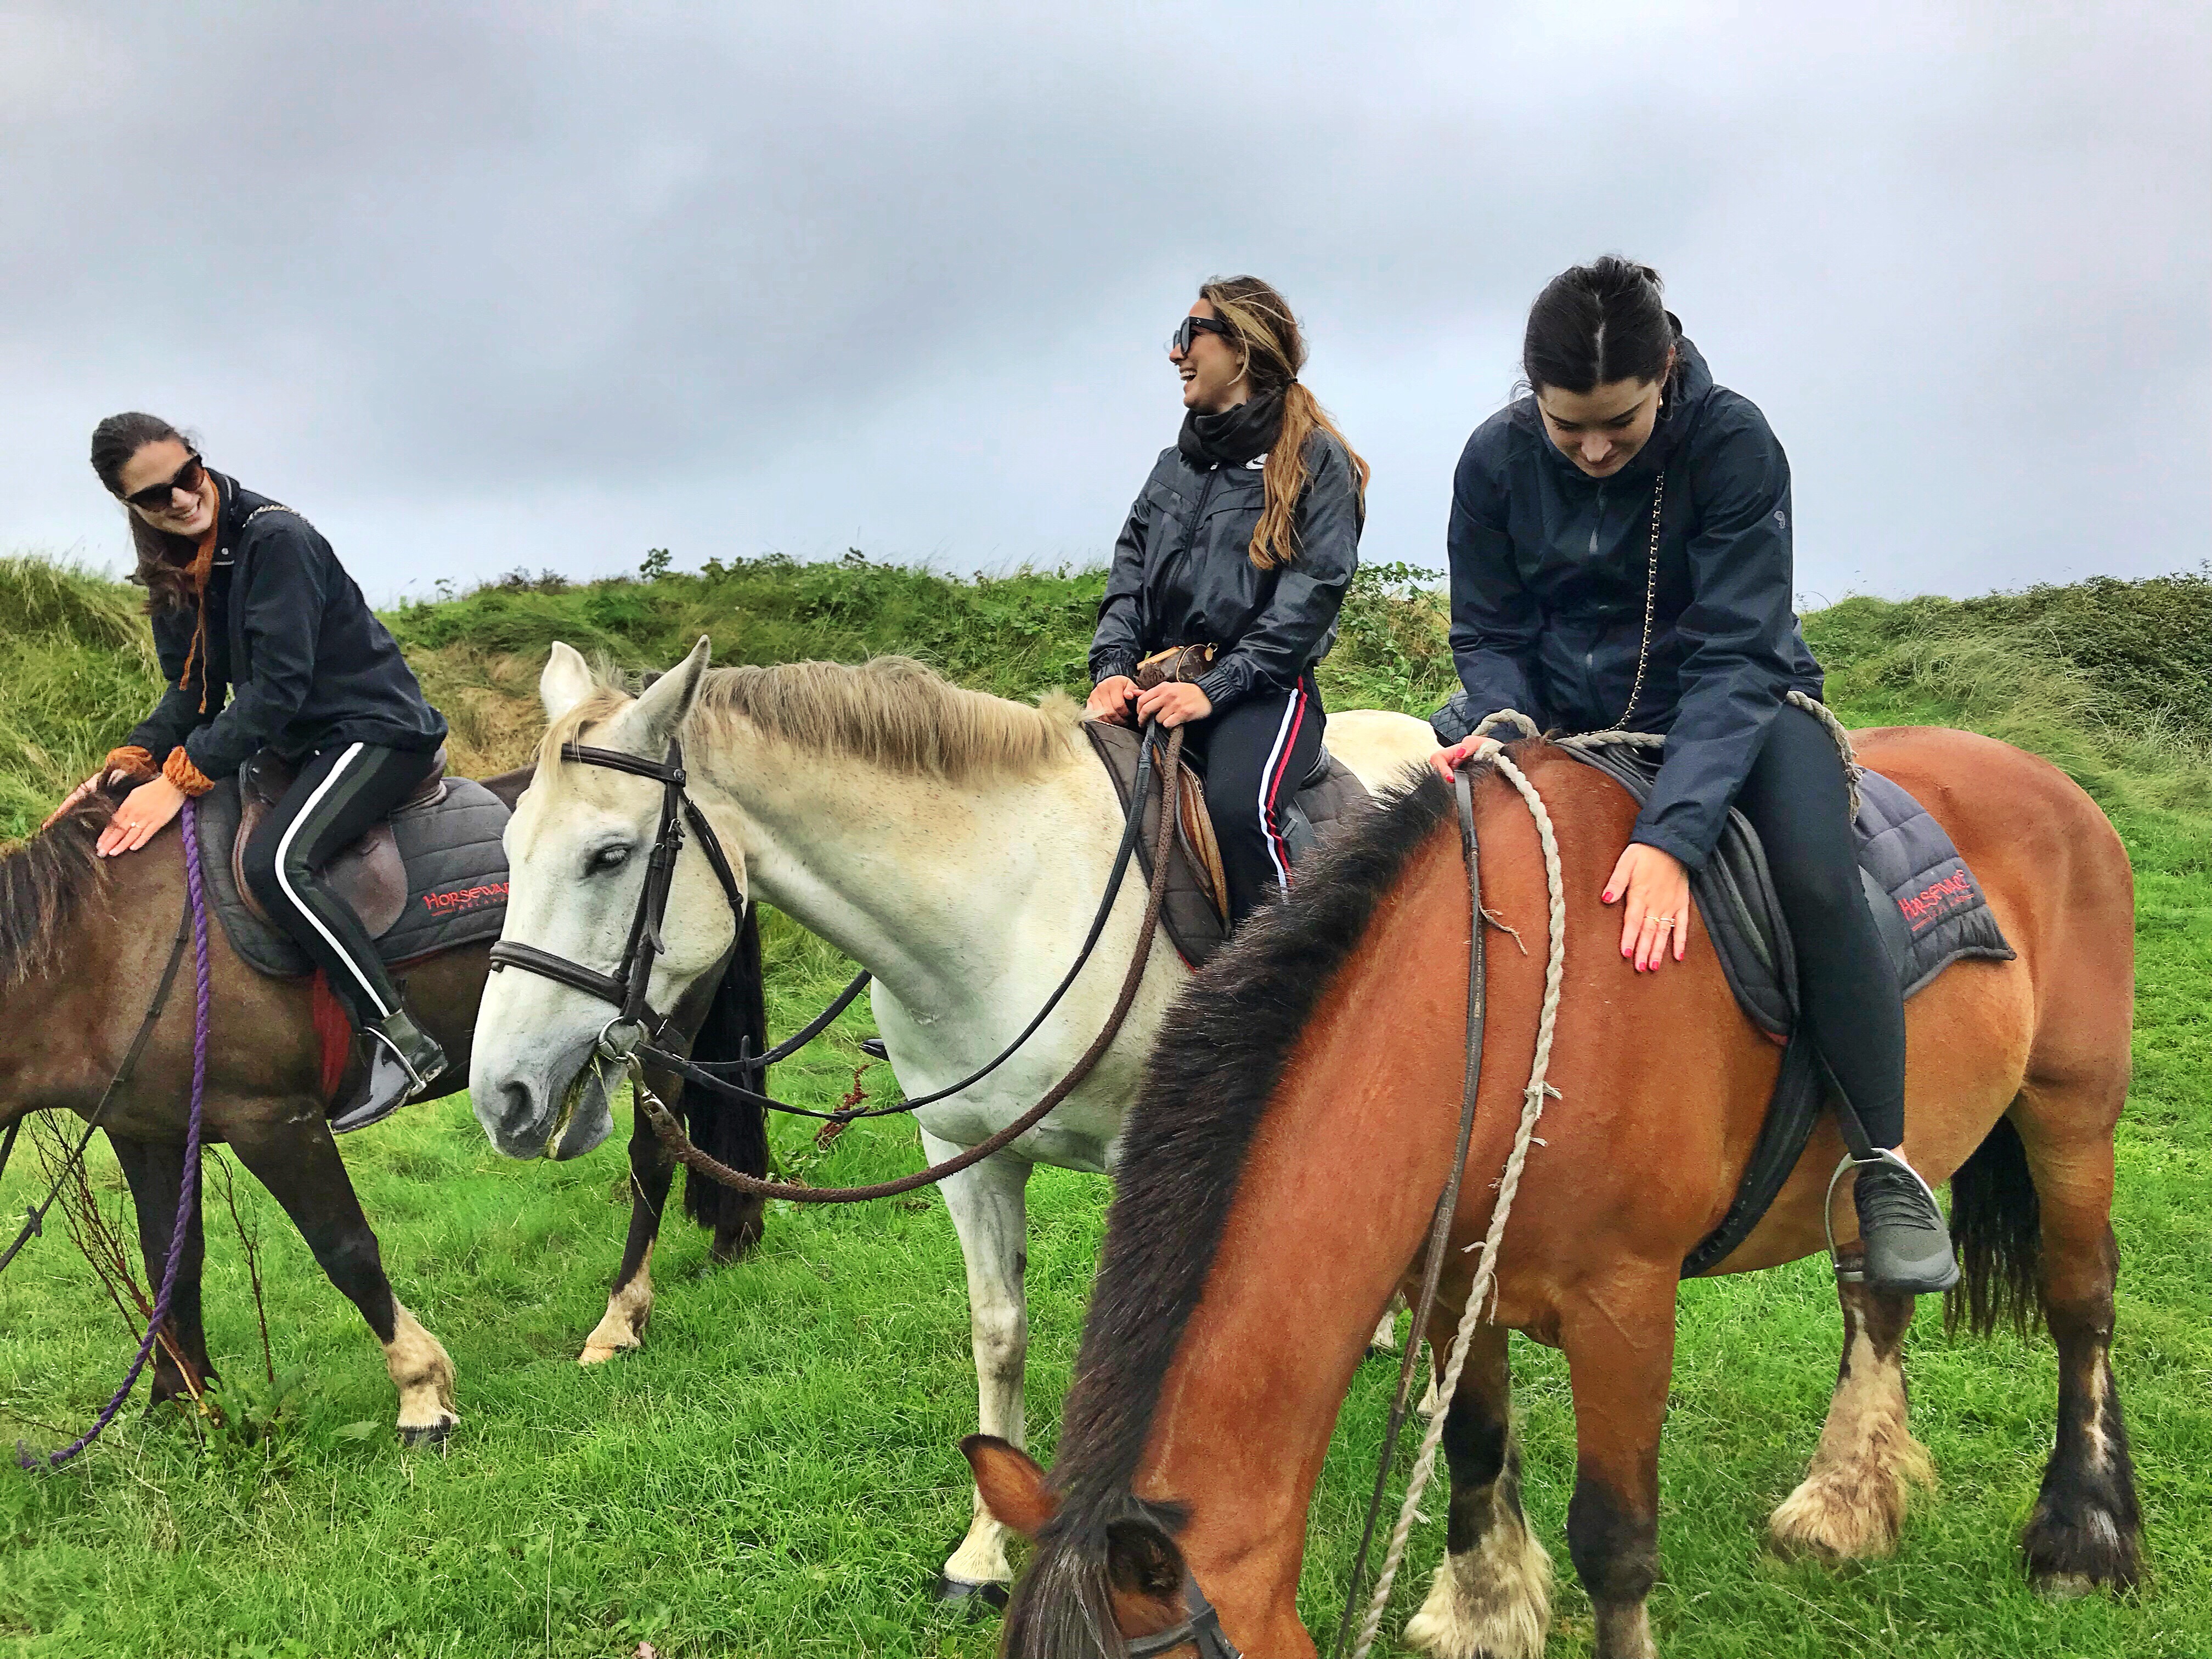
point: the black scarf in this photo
(1235, 435)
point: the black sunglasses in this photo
(155, 498)
(1189, 329)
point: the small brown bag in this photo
(1183, 663)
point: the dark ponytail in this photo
(1597, 323)
(162, 557)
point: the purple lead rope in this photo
(188, 1190)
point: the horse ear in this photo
(1011, 1483)
(566, 682)
(663, 706)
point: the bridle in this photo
(629, 988)
(637, 1031)
(1201, 1628)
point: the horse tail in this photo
(1996, 1226)
(734, 1132)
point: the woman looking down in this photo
(1620, 559)
(1244, 538)
(267, 643)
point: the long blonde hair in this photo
(1266, 337)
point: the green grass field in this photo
(775, 1473)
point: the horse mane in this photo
(47, 885)
(1218, 1063)
(891, 713)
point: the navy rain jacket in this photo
(297, 662)
(1549, 568)
(1182, 573)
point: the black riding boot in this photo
(406, 1061)
(1908, 1247)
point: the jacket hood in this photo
(1678, 417)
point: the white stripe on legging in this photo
(283, 856)
(1275, 757)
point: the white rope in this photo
(1820, 711)
(1485, 1287)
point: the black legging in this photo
(1254, 757)
(339, 796)
(1796, 798)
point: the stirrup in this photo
(1882, 1155)
(416, 1081)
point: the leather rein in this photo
(634, 1035)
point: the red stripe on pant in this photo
(1278, 848)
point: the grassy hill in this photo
(2110, 677)
(775, 1474)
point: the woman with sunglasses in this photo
(1620, 558)
(267, 643)
(1244, 538)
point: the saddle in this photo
(370, 875)
(1195, 908)
(429, 878)
(1926, 905)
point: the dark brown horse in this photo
(1276, 1179)
(83, 942)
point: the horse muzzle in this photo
(561, 1112)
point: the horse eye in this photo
(608, 858)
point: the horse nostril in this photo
(514, 1098)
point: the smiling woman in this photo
(1241, 543)
(266, 643)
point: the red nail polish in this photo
(1609, 895)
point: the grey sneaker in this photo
(1908, 1247)
(407, 1061)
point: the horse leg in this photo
(985, 1201)
(1492, 1597)
(1851, 1503)
(630, 1301)
(1620, 1356)
(2086, 1529)
(156, 1174)
(290, 1150)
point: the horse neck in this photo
(1337, 1182)
(78, 1006)
(927, 883)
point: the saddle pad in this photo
(1188, 910)
(1926, 903)
(456, 879)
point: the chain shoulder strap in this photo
(1650, 603)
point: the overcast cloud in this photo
(477, 287)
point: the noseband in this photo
(630, 985)
(1200, 1627)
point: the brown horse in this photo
(83, 942)
(1277, 1176)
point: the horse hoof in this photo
(429, 1434)
(599, 1354)
(978, 1600)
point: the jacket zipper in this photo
(1197, 515)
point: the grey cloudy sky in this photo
(482, 286)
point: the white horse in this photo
(955, 844)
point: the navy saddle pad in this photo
(456, 878)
